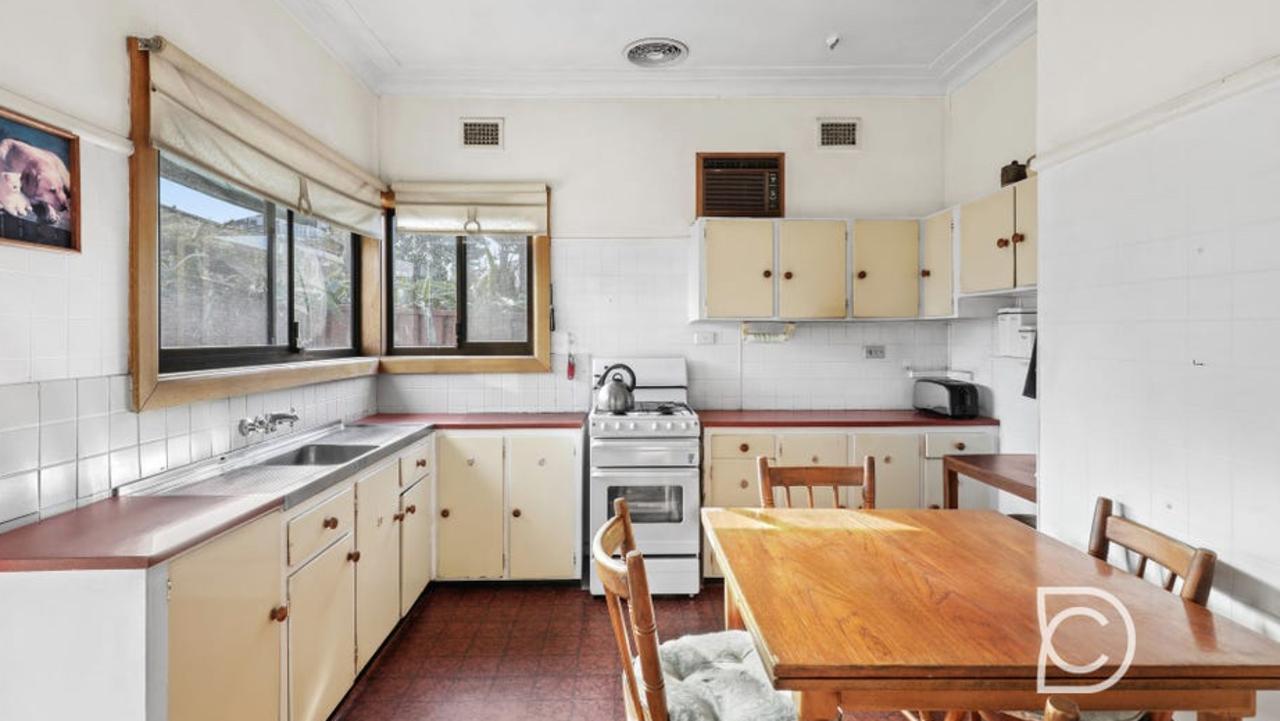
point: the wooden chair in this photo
(1061, 709)
(811, 477)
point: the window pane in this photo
(497, 289)
(425, 287)
(213, 262)
(322, 272)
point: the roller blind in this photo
(198, 115)
(471, 207)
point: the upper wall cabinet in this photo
(738, 256)
(936, 282)
(886, 264)
(811, 266)
(997, 240)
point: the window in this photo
(460, 294)
(245, 281)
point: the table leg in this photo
(732, 616)
(819, 706)
(950, 488)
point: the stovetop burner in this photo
(655, 408)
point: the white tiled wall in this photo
(68, 442)
(629, 298)
(1160, 341)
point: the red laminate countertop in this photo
(126, 532)
(482, 421)
(852, 419)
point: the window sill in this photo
(173, 389)
(537, 363)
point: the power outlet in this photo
(873, 352)
(704, 337)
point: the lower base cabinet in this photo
(415, 543)
(322, 634)
(469, 491)
(897, 466)
(540, 521)
(378, 559)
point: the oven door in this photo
(663, 504)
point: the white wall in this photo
(1160, 330)
(65, 435)
(1101, 61)
(990, 120)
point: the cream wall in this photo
(990, 120)
(625, 168)
(1101, 61)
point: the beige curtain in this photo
(198, 115)
(471, 208)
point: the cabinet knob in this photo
(397, 516)
(471, 461)
(960, 445)
(787, 275)
(411, 508)
(421, 463)
(1002, 243)
(768, 274)
(862, 274)
(353, 556)
(743, 483)
(279, 614)
(330, 522)
(542, 461)
(744, 447)
(888, 459)
(813, 460)
(925, 272)
(515, 513)
(444, 512)
(1018, 237)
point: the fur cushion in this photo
(1084, 715)
(719, 677)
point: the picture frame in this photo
(39, 184)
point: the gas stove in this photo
(649, 419)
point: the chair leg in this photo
(955, 715)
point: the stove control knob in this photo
(669, 425)
(632, 425)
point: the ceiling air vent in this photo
(482, 132)
(838, 133)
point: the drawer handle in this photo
(471, 461)
(960, 445)
(397, 516)
(421, 463)
(444, 513)
(515, 513)
(787, 275)
(411, 508)
(743, 483)
(354, 556)
(330, 522)
(813, 460)
(279, 614)
(768, 274)
(862, 274)
(744, 447)
(888, 459)
(1002, 243)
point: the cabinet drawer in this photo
(415, 464)
(937, 445)
(817, 449)
(316, 528)
(742, 445)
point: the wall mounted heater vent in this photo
(481, 132)
(838, 133)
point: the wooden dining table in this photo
(937, 610)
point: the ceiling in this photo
(532, 48)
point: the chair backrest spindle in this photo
(811, 477)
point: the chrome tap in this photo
(273, 420)
(249, 426)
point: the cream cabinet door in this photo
(415, 543)
(811, 268)
(897, 466)
(224, 646)
(935, 267)
(738, 269)
(322, 633)
(378, 567)
(886, 267)
(812, 449)
(1026, 220)
(733, 483)
(469, 524)
(542, 520)
(986, 248)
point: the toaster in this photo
(951, 398)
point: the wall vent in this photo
(741, 185)
(481, 132)
(838, 133)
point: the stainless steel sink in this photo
(319, 454)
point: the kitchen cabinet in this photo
(939, 444)
(897, 466)
(812, 449)
(469, 491)
(224, 611)
(322, 633)
(812, 257)
(541, 522)
(378, 558)
(733, 483)
(886, 267)
(994, 231)
(739, 268)
(936, 299)
(416, 463)
(415, 542)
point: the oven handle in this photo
(612, 473)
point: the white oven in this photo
(663, 503)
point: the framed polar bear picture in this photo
(39, 184)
